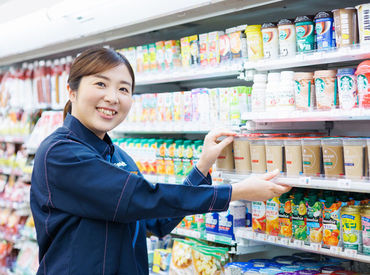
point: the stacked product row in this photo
(326, 218)
(346, 89)
(297, 264)
(219, 105)
(163, 156)
(297, 154)
(41, 84)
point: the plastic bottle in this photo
(272, 92)
(270, 36)
(286, 91)
(305, 34)
(254, 40)
(258, 93)
(287, 38)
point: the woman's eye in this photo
(100, 84)
(124, 90)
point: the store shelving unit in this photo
(338, 55)
(248, 234)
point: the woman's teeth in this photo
(107, 112)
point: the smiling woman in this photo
(91, 205)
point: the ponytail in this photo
(67, 109)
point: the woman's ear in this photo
(72, 94)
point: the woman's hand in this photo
(258, 188)
(212, 148)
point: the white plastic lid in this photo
(260, 78)
(273, 77)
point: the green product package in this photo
(188, 157)
(178, 156)
(305, 34)
(299, 212)
(314, 218)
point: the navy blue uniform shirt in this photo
(92, 208)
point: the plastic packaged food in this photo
(326, 89)
(311, 156)
(354, 155)
(345, 23)
(293, 156)
(304, 89)
(242, 155)
(332, 151)
(363, 80)
(347, 88)
(258, 155)
(274, 154)
(225, 160)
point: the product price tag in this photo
(194, 234)
(298, 243)
(211, 237)
(271, 239)
(260, 237)
(283, 241)
(335, 249)
(305, 181)
(344, 183)
(248, 234)
(315, 246)
(350, 252)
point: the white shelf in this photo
(356, 52)
(340, 184)
(299, 116)
(191, 73)
(13, 139)
(163, 127)
(247, 233)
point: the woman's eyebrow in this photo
(107, 78)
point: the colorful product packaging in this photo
(272, 216)
(203, 49)
(194, 49)
(365, 223)
(160, 55)
(259, 216)
(363, 80)
(351, 227)
(212, 223)
(225, 47)
(299, 217)
(305, 33)
(314, 218)
(173, 54)
(325, 32)
(287, 38)
(331, 220)
(225, 224)
(254, 41)
(188, 106)
(185, 52)
(347, 88)
(214, 47)
(152, 57)
(270, 35)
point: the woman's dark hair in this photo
(93, 61)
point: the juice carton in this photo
(314, 218)
(144, 145)
(224, 113)
(234, 106)
(139, 59)
(161, 153)
(194, 49)
(152, 57)
(146, 58)
(203, 49)
(152, 105)
(214, 47)
(331, 220)
(178, 107)
(188, 106)
(272, 216)
(187, 160)
(161, 108)
(299, 217)
(172, 56)
(145, 107)
(130, 54)
(224, 46)
(197, 150)
(195, 95)
(212, 223)
(200, 220)
(153, 145)
(160, 55)
(200, 105)
(225, 224)
(213, 105)
(285, 216)
(185, 52)
(168, 104)
(178, 156)
(259, 216)
(169, 157)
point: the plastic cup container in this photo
(242, 155)
(270, 36)
(225, 161)
(311, 156)
(345, 23)
(363, 23)
(274, 154)
(304, 90)
(258, 155)
(332, 152)
(326, 89)
(347, 88)
(287, 38)
(363, 80)
(354, 157)
(293, 156)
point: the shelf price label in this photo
(271, 239)
(344, 183)
(335, 249)
(260, 237)
(350, 252)
(211, 237)
(305, 181)
(298, 243)
(283, 241)
(315, 246)
(248, 234)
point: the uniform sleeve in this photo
(162, 227)
(80, 182)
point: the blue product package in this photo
(307, 256)
(275, 264)
(212, 222)
(259, 262)
(324, 28)
(306, 272)
(285, 273)
(225, 224)
(292, 268)
(270, 270)
(330, 269)
(287, 260)
(309, 264)
(251, 270)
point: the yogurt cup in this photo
(332, 151)
(326, 89)
(293, 156)
(311, 156)
(242, 155)
(354, 157)
(304, 90)
(258, 155)
(274, 154)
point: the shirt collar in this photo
(104, 147)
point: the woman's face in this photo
(103, 100)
